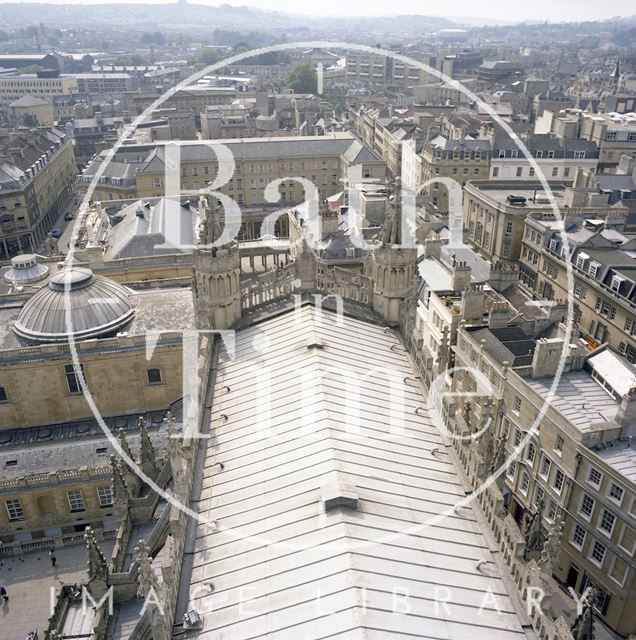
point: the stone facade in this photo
(37, 189)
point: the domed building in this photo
(75, 302)
(25, 269)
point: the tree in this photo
(208, 56)
(153, 38)
(131, 60)
(241, 47)
(303, 78)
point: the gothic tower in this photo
(392, 267)
(216, 290)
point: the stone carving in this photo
(551, 546)
(533, 531)
(147, 454)
(583, 627)
(123, 442)
(97, 565)
(121, 493)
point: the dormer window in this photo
(617, 281)
(581, 259)
(593, 270)
(554, 245)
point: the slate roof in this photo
(29, 101)
(162, 227)
(447, 144)
(269, 149)
(507, 343)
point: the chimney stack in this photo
(498, 315)
(547, 355)
(461, 276)
(473, 306)
(626, 414)
(432, 248)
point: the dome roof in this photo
(25, 269)
(98, 307)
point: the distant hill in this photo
(198, 17)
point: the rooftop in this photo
(508, 344)
(278, 524)
(334, 144)
(29, 101)
(74, 301)
(622, 456)
(161, 309)
(498, 191)
(145, 228)
(579, 398)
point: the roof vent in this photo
(314, 341)
(339, 494)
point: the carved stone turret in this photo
(96, 565)
(533, 531)
(498, 454)
(147, 454)
(486, 444)
(133, 481)
(305, 267)
(121, 494)
(153, 593)
(552, 546)
(216, 290)
(443, 353)
(123, 443)
(174, 445)
(583, 627)
(392, 266)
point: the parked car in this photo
(68, 216)
(56, 233)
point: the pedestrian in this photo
(3, 594)
(52, 557)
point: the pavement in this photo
(32, 584)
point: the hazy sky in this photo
(505, 10)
